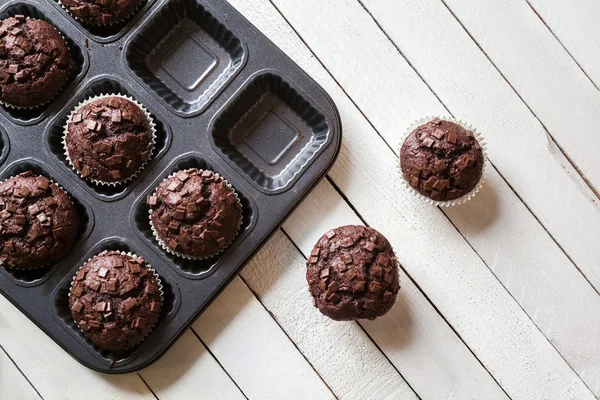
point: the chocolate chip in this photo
(324, 273)
(77, 292)
(377, 271)
(102, 272)
(428, 142)
(50, 201)
(359, 286)
(155, 307)
(107, 19)
(128, 304)
(58, 233)
(151, 200)
(111, 285)
(350, 275)
(77, 118)
(369, 246)
(315, 252)
(151, 289)
(452, 138)
(77, 306)
(388, 297)
(94, 285)
(182, 176)
(438, 133)
(80, 275)
(330, 234)
(134, 268)
(20, 219)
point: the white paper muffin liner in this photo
(466, 197)
(154, 273)
(59, 90)
(81, 21)
(73, 204)
(185, 256)
(91, 100)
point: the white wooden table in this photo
(499, 297)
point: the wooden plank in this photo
(343, 355)
(448, 269)
(189, 371)
(412, 335)
(254, 350)
(510, 232)
(13, 385)
(53, 372)
(575, 24)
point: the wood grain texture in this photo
(575, 24)
(396, 214)
(549, 81)
(412, 335)
(343, 355)
(254, 350)
(13, 384)
(189, 371)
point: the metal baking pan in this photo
(223, 98)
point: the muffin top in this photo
(115, 299)
(34, 62)
(442, 160)
(352, 273)
(38, 222)
(195, 213)
(101, 12)
(109, 139)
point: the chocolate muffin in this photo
(352, 273)
(109, 140)
(195, 213)
(38, 222)
(442, 160)
(101, 12)
(115, 300)
(34, 62)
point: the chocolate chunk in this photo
(155, 307)
(111, 285)
(77, 291)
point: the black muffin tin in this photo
(224, 98)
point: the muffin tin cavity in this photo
(4, 145)
(270, 132)
(79, 65)
(55, 134)
(185, 56)
(193, 269)
(109, 33)
(60, 300)
(37, 276)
